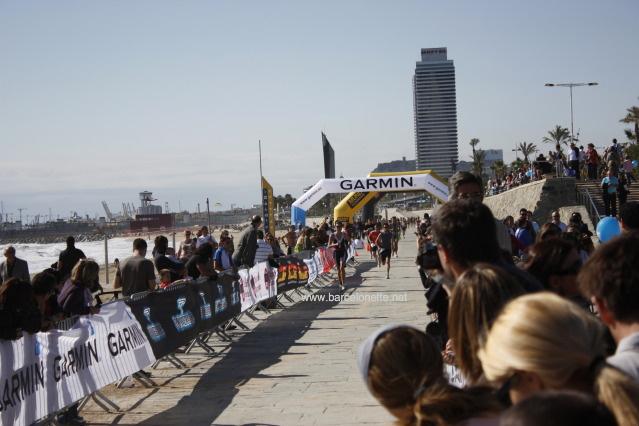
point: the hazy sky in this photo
(100, 100)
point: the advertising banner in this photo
(168, 317)
(44, 372)
(268, 207)
(218, 300)
(257, 284)
(291, 273)
(313, 269)
(326, 259)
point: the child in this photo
(165, 278)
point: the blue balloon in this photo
(529, 173)
(608, 228)
(635, 164)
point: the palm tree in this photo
(630, 135)
(473, 143)
(632, 118)
(515, 165)
(499, 168)
(479, 156)
(527, 149)
(559, 135)
(288, 199)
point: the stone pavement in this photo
(294, 367)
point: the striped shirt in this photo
(264, 250)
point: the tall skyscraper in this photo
(435, 112)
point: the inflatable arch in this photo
(362, 190)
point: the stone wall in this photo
(540, 197)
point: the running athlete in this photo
(404, 226)
(385, 243)
(339, 241)
(289, 239)
(397, 233)
(372, 238)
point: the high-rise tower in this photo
(435, 112)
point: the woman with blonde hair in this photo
(403, 369)
(476, 300)
(542, 341)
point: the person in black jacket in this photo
(18, 309)
(245, 253)
(69, 258)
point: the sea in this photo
(41, 256)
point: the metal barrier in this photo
(585, 199)
(201, 340)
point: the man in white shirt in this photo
(556, 219)
(206, 238)
(611, 279)
(573, 159)
(264, 249)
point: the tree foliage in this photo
(527, 149)
(632, 117)
(558, 136)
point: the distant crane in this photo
(107, 211)
(20, 210)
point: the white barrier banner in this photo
(313, 269)
(257, 284)
(44, 372)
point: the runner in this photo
(397, 233)
(372, 238)
(289, 239)
(339, 241)
(385, 243)
(404, 226)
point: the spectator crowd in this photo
(529, 325)
(541, 326)
(613, 168)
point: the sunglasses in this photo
(469, 195)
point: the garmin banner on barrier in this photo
(45, 372)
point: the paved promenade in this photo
(294, 367)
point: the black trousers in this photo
(574, 165)
(610, 203)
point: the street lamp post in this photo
(571, 85)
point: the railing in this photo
(585, 199)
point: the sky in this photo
(101, 100)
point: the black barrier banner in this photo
(218, 300)
(168, 317)
(172, 317)
(291, 273)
